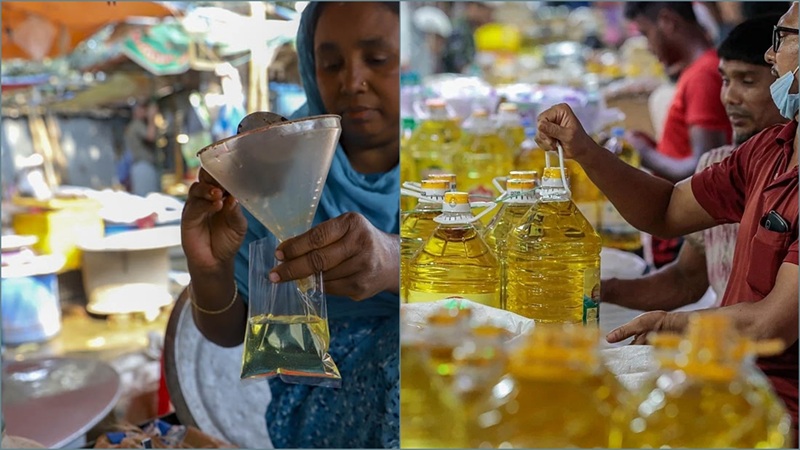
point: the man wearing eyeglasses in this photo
(706, 258)
(757, 186)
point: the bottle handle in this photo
(418, 195)
(488, 205)
(413, 185)
(561, 164)
(496, 181)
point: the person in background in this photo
(350, 65)
(756, 186)
(460, 50)
(696, 121)
(707, 256)
(140, 141)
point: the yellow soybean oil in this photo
(558, 394)
(709, 396)
(510, 126)
(553, 260)
(614, 229)
(483, 156)
(585, 194)
(286, 345)
(455, 261)
(426, 365)
(434, 142)
(530, 156)
(418, 225)
(516, 202)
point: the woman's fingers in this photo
(314, 261)
(320, 236)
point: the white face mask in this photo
(787, 103)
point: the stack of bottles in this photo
(706, 393)
(538, 255)
(465, 386)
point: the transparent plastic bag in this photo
(287, 331)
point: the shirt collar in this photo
(787, 133)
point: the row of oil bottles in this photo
(464, 386)
(485, 146)
(539, 256)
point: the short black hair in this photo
(761, 8)
(749, 40)
(650, 10)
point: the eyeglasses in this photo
(776, 36)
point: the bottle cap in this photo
(450, 177)
(435, 103)
(508, 107)
(517, 185)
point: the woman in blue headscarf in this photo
(349, 63)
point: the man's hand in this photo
(559, 124)
(647, 323)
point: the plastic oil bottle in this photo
(481, 361)
(407, 168)
(710, 395)
(530, 156)
(614, 229)
(553, 259)
(434, 141)
(509, 124)
(455, 261)
(558, 394)
(516, 202)
(418, 225)
(483, 156)
(426, 355)
(586, 195)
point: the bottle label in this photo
(591, 296)
(612, 221)
(491, 299)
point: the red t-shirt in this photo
(743, 188)
(696, 103)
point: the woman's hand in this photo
(356, 259)
(559, 124)
(212, 226)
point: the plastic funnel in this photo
(277, 171)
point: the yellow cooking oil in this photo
(483, 156)
(614, 229)
(530, 156)
(481, 361)
(434, 141)
(557, 394)
(418, 225)
(287, 345)
(710, 395)
(455, 261)
(553, 259)
(585, 194)
(510, 127)
(516, 202)
(426, 366)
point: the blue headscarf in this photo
(374, 196)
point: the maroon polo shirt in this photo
(743, 188)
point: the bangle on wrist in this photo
(219, 311)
